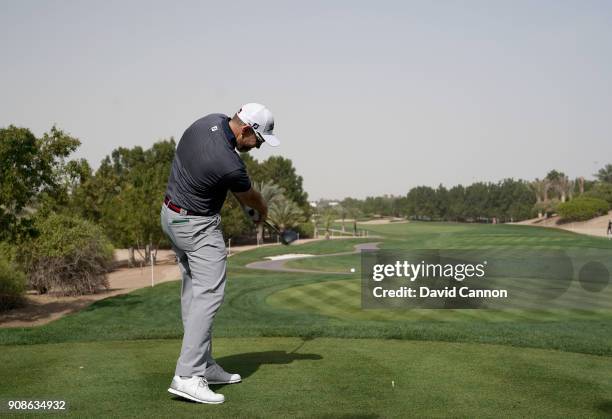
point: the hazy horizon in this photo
(369, 99)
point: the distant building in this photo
(322, 203)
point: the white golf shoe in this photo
(195, 388)
(217, 375)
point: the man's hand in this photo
(252, 214)
(253, 199)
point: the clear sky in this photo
(369, 98)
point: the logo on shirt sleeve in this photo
(213, 129)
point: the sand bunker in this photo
(289, 256)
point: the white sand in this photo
(289, 256)
(593, 227)
(393, 220)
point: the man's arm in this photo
(239, 183)
(253, 199)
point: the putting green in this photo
(289, 377)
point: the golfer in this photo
(205, 166)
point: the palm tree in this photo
(564, 187)
(342, 213)
(285, 213)
(605, 174)
(540, 188)
(354, 213)
(581, 185)
(571, 186)
(271, 194)
(270, 191)
(327, 217)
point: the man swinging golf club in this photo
(204, 168)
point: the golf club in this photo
(286, 236)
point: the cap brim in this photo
(271, 140)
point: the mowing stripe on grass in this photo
(293, 377)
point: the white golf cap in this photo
(259, 118)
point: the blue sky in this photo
(369, 97)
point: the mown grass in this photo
(259, 303)
(281, 331)
(292, 377)
(154, 314)
(341, 263)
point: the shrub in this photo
(12, 281)
(70, 255)
(305, 229)
(547, 208)
(583, 208)
(602, 191)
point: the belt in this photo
(182, 211)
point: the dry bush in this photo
(70, 256)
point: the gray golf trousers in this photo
(200, 250)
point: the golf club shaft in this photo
(273, 227)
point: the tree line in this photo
(60, 219)
(124, 194)
(504, 201)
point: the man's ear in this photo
(244, 131)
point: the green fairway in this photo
(342, 263)
(460, 362)
(342, 299)
(290, 377)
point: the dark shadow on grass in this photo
(248, 363)
(605, 407)
(117, 301)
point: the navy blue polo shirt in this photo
(205, 166)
